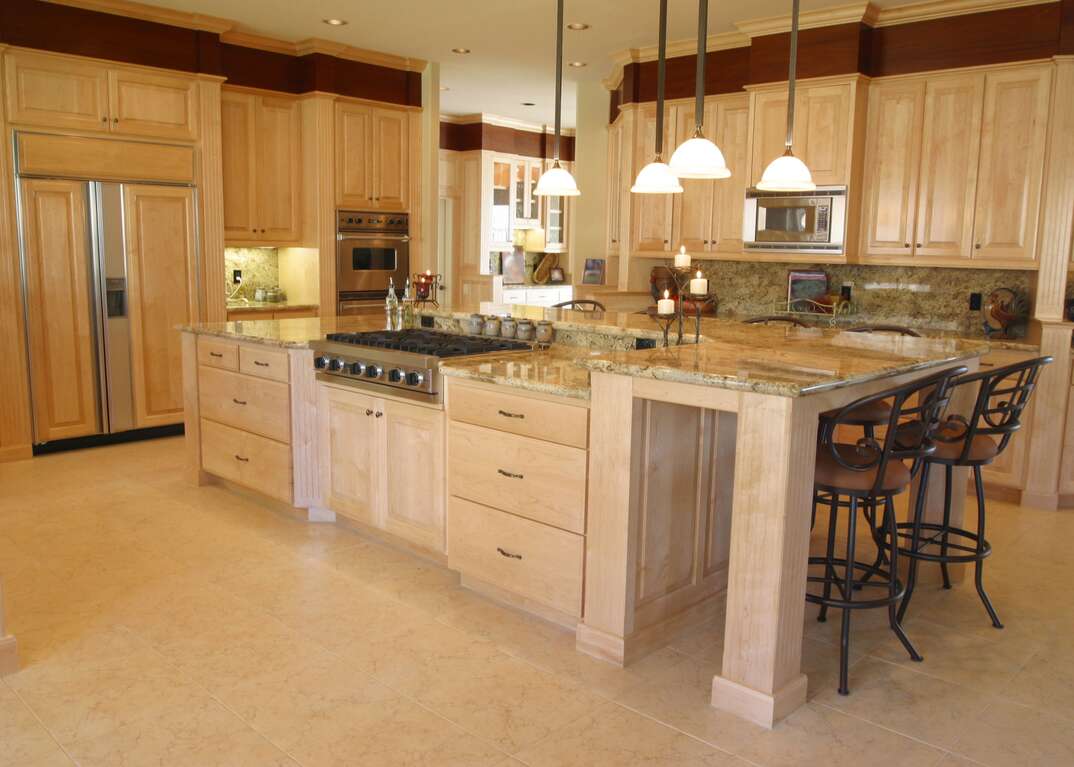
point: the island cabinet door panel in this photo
(414, 455)
(1013, 136)
(652, 212)
(950, 144)
(350, 455)
(733, 139)
(161, 261)
(391, 157)
(56, 91)
(354, 161)
(278, 190)
(150, 104)
(892, 158)
(239, 154)
(693, 208)
(63, 370)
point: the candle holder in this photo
(682, 275)
(700, 301)
(665, 321)
(426, 289)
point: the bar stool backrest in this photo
(769, 318)
(897, 329)
(580, 304)
(1002, 395)
(917, 408)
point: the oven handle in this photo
(401, 238)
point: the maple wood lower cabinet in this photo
(381, 463)
(517, 471)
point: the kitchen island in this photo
(621, 492)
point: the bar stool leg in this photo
(848, 587)
(829, 571)
(979, 565)
(893, 581)
(947, 476)
(915, 541)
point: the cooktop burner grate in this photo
(428, 342)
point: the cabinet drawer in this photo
(264, 363)
(255, 462)
(534, 479)
(218, 354)
(520, 556)
(245, 402)
(530, 417)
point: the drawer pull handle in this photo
(218, 355)
(368, 411)
(509, 474)
(508, 554)
(261, 364)
(238, 401)
(240, 458)
(505, 414)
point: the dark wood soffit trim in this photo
(81, 32)
(499, 138)
(822, 52)
(1066, 27)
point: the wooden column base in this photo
(758, 707)
(9, 655)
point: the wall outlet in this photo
(975, 302)
(236, 276)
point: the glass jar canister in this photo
(525, 330)
(492, 326)
(545, 332)
(508, 327)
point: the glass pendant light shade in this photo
(556, 182)
(786, 173)
(656, 178)
(698, 157)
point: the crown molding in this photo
(676, 48)
(937, 9)
(503, 122)
(822, 17)
(199, 21)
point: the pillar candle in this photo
(682, 258)
(665, 305)
(699, 286)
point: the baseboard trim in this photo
(16, 453)
(9, 655)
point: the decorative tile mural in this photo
(260, 269)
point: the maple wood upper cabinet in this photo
(651, 214)
(56, 91)
(372, 157)
(261, 150)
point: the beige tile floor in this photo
(162, 624)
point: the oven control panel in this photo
(372, 221)
(356, 368)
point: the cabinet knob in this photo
(368, 411)
(378, 414)
(104, 119)
(906, 244)
(918, 245)
(977, 246)
(115, 121)
(665, 242)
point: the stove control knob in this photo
(356, 368)
(414, 379)
(373, 371)
(395, 375)
(320, 362)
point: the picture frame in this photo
(557, 276)
(805, 289)
(593, 274)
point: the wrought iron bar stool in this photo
(1002, 396)
(865, 475)
(580, 304)
(870, 416)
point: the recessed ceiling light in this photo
(577, 26)
(334, 22)
(578, 64)
(528, 104)
(460, 50)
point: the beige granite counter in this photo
(288, 333)
(552, 370)
(267, 306)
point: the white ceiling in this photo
(512, 41)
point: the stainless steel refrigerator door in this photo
(112, 299)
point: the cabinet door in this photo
(62, 361)
(278, 191)
(161, 263)
(821, 128)
(238, 154)
(892, 158)
(391, 158)
(354, 172)
(950, 142)
(1013, 136)
(733, 138)
(693, 208)
(414, 457)
(150, 104)
(768, 129)
(55, 91)
(652, 213)
(350, 454)
(501, 208)
(615, 173)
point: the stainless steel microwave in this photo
(795, 222)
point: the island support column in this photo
(761, 679)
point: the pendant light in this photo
(657, 177)
(557, 181)
(697, 157)
(787, 173)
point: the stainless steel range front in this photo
(405, 362)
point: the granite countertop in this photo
(295, 333)
(266, 306)
(551, 370)
(788, 362)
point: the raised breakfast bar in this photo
(622, 492)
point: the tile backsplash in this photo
(260, 269)
(896, 294)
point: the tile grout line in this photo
(40, 721)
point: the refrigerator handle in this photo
(115, 296)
